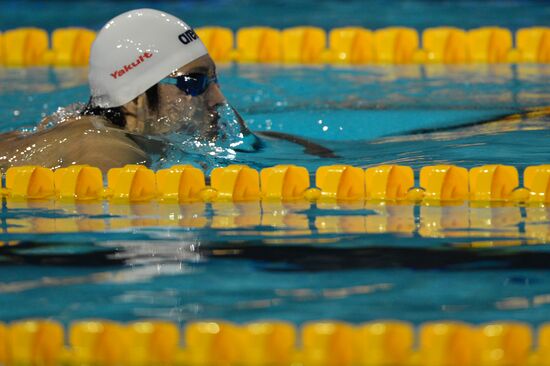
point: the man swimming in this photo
(150, 75)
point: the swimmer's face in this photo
(168, 108)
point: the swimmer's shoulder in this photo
(79, 139)
(82, 124)
(94, 131)
(77, 121)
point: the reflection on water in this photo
(253, 220)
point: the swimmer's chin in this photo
(245, 140)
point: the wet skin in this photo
(94, 140)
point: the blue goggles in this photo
(193, 84)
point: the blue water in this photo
(300, 262)
(372, 14)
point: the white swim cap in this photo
(136, 50)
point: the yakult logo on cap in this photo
(127, 68)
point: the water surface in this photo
(297, 261)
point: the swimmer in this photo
(150, 75)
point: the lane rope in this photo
(389, 342)
(237, 183)
(25, 47)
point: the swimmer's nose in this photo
(214, 95)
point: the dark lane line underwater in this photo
(298, 258)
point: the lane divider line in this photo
(27, 47)
(388, 342)
(238, 183)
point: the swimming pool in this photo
(352, 262)
(301, 261)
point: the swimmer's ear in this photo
(152, 95)
(114, 115)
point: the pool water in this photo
(372, 14)
(300, 261)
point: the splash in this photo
(232, 131)
(61, 115)
(228, 137)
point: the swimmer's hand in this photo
(230, 124)
(310, 148)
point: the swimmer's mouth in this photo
(250, 142)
